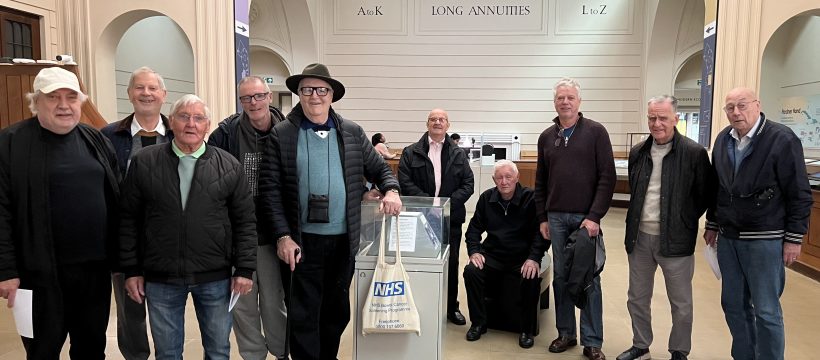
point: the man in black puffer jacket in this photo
(310, 185)
(188, 219)
(435, 166)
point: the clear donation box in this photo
(423, 226)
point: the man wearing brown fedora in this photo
(314, 216)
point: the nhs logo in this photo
(394, 288)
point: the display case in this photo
(424, 225)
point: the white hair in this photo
(505, 163)
(187, 100)
(660, 99)
(145, 70)
(566, 82)
(34, 96)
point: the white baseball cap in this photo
(53, 78)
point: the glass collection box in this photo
(423, 227)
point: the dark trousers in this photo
(477, 281)
(453, 268)
(132, 333)
(319, 304)
(77, 305)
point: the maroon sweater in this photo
(578, 178)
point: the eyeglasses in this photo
(742, 106)
(308, 91)
(437, 119)
(258, 97)
(560, 137)
(187, 117)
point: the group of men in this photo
(259, 212)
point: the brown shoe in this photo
(561, 344)
(593, 353)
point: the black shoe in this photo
(561, 344)
(677, 355)
(475, 332)
(457, 318)
(525, 340)
(635, 353)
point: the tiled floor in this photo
(801, 304)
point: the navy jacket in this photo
(119, 132)
(770, 196)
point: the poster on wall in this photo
(707, 84)
(802, 115)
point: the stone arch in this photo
(105, 54)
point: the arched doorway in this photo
(159, 43)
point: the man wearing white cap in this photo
(58, 215)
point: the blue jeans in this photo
(753, 280)
(592, 316)
(166, 309)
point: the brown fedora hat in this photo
(318, 71)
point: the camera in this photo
(66, 59)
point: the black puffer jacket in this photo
(688, 185)
(416, 175)
(279, 182)
(216, 231)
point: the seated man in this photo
(513, 245)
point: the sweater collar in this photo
(495, 196)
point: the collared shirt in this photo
(187, 163)
(743, 142)
(136, 127)
(435, 157)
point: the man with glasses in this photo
(762, 214)
(144, 127)
(672, 183)
(574, 182)
(259, 318)
(187, 226)
(436, 167)
(311, 188)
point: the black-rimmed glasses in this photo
(258, 97)
(561, 137)
(308, 90)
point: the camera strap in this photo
(307, 144)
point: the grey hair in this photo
(34, 96)
(660, 99)
(145, 70)
(187, 100)
(566, 82)
(248, 79)
(502, 163)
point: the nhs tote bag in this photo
(389, 307)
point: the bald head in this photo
(437, 124)
(742, 108)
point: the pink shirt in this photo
(435, 157)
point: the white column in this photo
(214, 57)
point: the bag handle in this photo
(382, 242)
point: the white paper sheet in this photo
(22, 312)
(232, 302)
(710, 253)
(407, 234)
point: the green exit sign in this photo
(268, 79)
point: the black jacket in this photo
(687, 188)
(226, 138)
(216, 231)
(770, 196)
(119, 132)
(512, 231)
(416, 175)
(279, 180)
(26, 248)
(581, 259)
